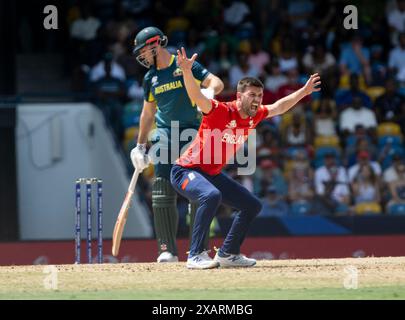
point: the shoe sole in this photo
(167, 261)
(236, 266)
(213, 266)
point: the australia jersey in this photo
(166, 88)
(222, 132)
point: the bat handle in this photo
(134, 179)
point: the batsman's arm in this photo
(283, 105)
(214, 83)
(146, 121)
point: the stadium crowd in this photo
(339, 152)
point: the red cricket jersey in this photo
(222, 132)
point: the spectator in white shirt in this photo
(85, 28)
(363, 159)
(98, 71)
(331, 181)
(396, 20)
(396, 61)
(355, 115)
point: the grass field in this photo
(375, 278)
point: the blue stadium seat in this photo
(397, 209)
(321, 152)
(394, 140)
(386, 162)
(300, 208)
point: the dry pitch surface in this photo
(376, 278)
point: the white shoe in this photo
(234, 261)
(202, 261)
(166, 256)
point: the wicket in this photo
(89, 182)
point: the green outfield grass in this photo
(391, 293)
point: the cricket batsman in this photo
(203, 182)
(166, 100)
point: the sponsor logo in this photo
(177, 72)
(231, 124)
(233, 138)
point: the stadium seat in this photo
(300, 208)
(388, 129)
(326, 141)
(320, 155)
(397, 209)
(387, 160)
(375, 92)
(368, 208)
(394, 140)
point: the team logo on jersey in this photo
(154, 80)
(231, 124)
(251, 123)
(177, 72)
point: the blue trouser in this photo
(210, 192)
(162, 138)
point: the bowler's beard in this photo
(248, 108)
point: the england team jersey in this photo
(222, 132)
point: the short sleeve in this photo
(199, 72)
(219, 109)
(147, 90)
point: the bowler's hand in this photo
(312, 83)
(183, 62)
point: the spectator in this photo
(301, 179)
(288, 58)
(391, 173)
(85, 28)
(363, 159)
(395, 179)
(379, 70)
(297, 134)
(225, 59)
(299, 13)
(269, 174)
(274, 78)
(273, 204)
(388, 105)
(292, 85)
(325, 119)
(98, 71)
(361, 145)
(110, 93)
(357, 114)
(235, 12)
(258, 57)
(331, 184)
(355, 58)
(269, 148)
(318, 60)
(396, 61)
(242, 69)
(396, 19)
(365, 186)
(345, 99)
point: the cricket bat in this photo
(123, 214)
